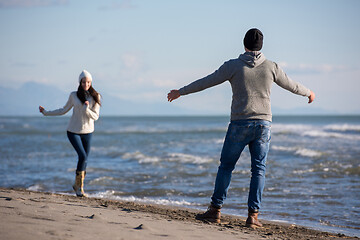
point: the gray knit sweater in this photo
(251, 76)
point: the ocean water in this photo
(312, 179)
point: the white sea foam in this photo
(328, 131)
(308, 153)
(110, 194)
(101, 179)
(304, 152)
(324, 134)
(279, 221)
(142, 158)
(282, 148)
(36, 188)
(188, 158)
(343, 127)
(219, 141)
(294, 128)
(303, 171)
(158, 201)
(106, 150)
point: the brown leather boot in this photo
(79, 184)
(252, 220)
(212, 215)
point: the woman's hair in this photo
(81, 94)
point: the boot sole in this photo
(79, 195)
(212, 220)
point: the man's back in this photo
(251, 77)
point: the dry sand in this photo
(38, 216)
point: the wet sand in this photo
(38, 216)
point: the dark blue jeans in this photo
(256, 134)
(81, 144)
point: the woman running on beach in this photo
(86, 104)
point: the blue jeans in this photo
(256, 134)
(81, 144)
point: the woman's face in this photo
(85, 83)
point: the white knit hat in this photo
(83, 74)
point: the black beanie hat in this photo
(253, 39)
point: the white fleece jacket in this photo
(83, 117)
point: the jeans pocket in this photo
(238, 133)
(265, 136)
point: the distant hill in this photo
(25, 101)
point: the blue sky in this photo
(138, 50)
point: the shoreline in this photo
(34, 215)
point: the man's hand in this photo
(173, 94)
(311, 97)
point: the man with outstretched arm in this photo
(251, 76)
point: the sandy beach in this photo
(36, 215)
